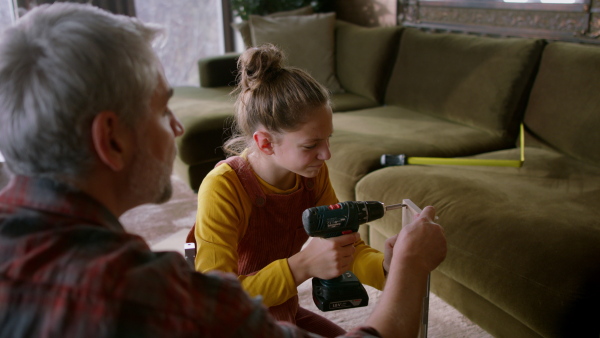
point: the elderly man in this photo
(86, 130)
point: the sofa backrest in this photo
(564, 107)
(478, 81)
(364, 58)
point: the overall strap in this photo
(247, 178)
(249, 182)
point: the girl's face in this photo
(305, 150)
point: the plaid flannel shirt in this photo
(69, 269)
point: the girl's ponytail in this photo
(270, 95)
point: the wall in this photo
(595, 26)
(569, 22)
(368, 13)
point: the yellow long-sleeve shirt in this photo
(223, 214)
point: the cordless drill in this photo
(345, 291)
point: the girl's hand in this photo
(324, 258)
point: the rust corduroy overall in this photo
(275, 232)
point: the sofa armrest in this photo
(218, 71)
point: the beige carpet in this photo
(165, 227)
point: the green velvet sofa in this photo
(524, 243)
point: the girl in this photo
(249, 207)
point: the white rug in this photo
(165, 227)
(444, 320)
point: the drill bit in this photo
(402, 205)
(395, 206)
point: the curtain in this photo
(126, 7)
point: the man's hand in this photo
(418, 249)
(420, 244)
(390, 243)
(388, 252)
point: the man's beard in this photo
(150, 180)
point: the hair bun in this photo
(258, 65)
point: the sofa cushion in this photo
(564, 108)
(365, 70)
(343, 102)
(307, 41)
(244, 27)
(525, 239)
(361, 137)
(479, 81)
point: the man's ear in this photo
(109, 140)
(263, 141)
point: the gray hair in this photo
(60, 65)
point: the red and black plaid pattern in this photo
(68, 269)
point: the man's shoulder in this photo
(68, 249)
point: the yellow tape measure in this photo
(467, 161)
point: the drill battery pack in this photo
(342, 292)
